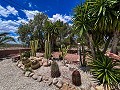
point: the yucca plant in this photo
(104, 70)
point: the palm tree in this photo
(4, 38)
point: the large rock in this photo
(19, 65)
(27, 73)
(99, 87)
(39, 58)
(46, 64)
(59, 84)
(39, 79)
(22, 67)
(31, 74)
(65, 87)
(55, 81)
(50, 81)
(35, 77)
(45, 78)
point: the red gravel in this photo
(69, 57)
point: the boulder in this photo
(55, 81)
(46, 64)
(19, 65)
(35, 77)
(99, 87)
(39, 79)
(27, 73)
(22, 67)
(59, 84)
(39, 58)
(31, 74)
(65, 87)
(50, 82)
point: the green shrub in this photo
(104, 70)
(26, 54)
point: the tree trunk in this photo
(80, 56)
(91, 46)
(106, 45)
(83, 52)
(115, 42)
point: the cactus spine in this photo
(33, 46)
(47, 48)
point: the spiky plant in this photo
(55, 70)
(63, 52)
(76, 78)
(35, 64)
(26, 62)
(103, 68)
(34, 47)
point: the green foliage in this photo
(34, 47)
(63, 50)
(76, 78)
(47, 48)
(103, 68)
(26, 54)
(26, 62)
(55, 70)
(4, 38)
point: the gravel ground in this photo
(12, 78)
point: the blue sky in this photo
(13, 12)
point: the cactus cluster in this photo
(33, 46)
(26, 62)
(55, 70)
(47, 48)
(35, 64)
(63, 52)
(76, 78)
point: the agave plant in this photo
(104, 70)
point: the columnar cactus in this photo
(47, 48)
(76, 78)
(33, 46)
(55, 70)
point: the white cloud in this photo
(5, 12)
(12, 10)
(64, 18)
(21, 20)
(30, 14)
(30, 4)
(10, 25)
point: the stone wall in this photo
(4, 53)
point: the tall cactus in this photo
(47, 48)
(63, 51)
(33, 46)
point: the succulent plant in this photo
(34, 47)
(55, 70)
(35, 64)
(63, 50)
(26, 62)
(76, 78)
(47, 48)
